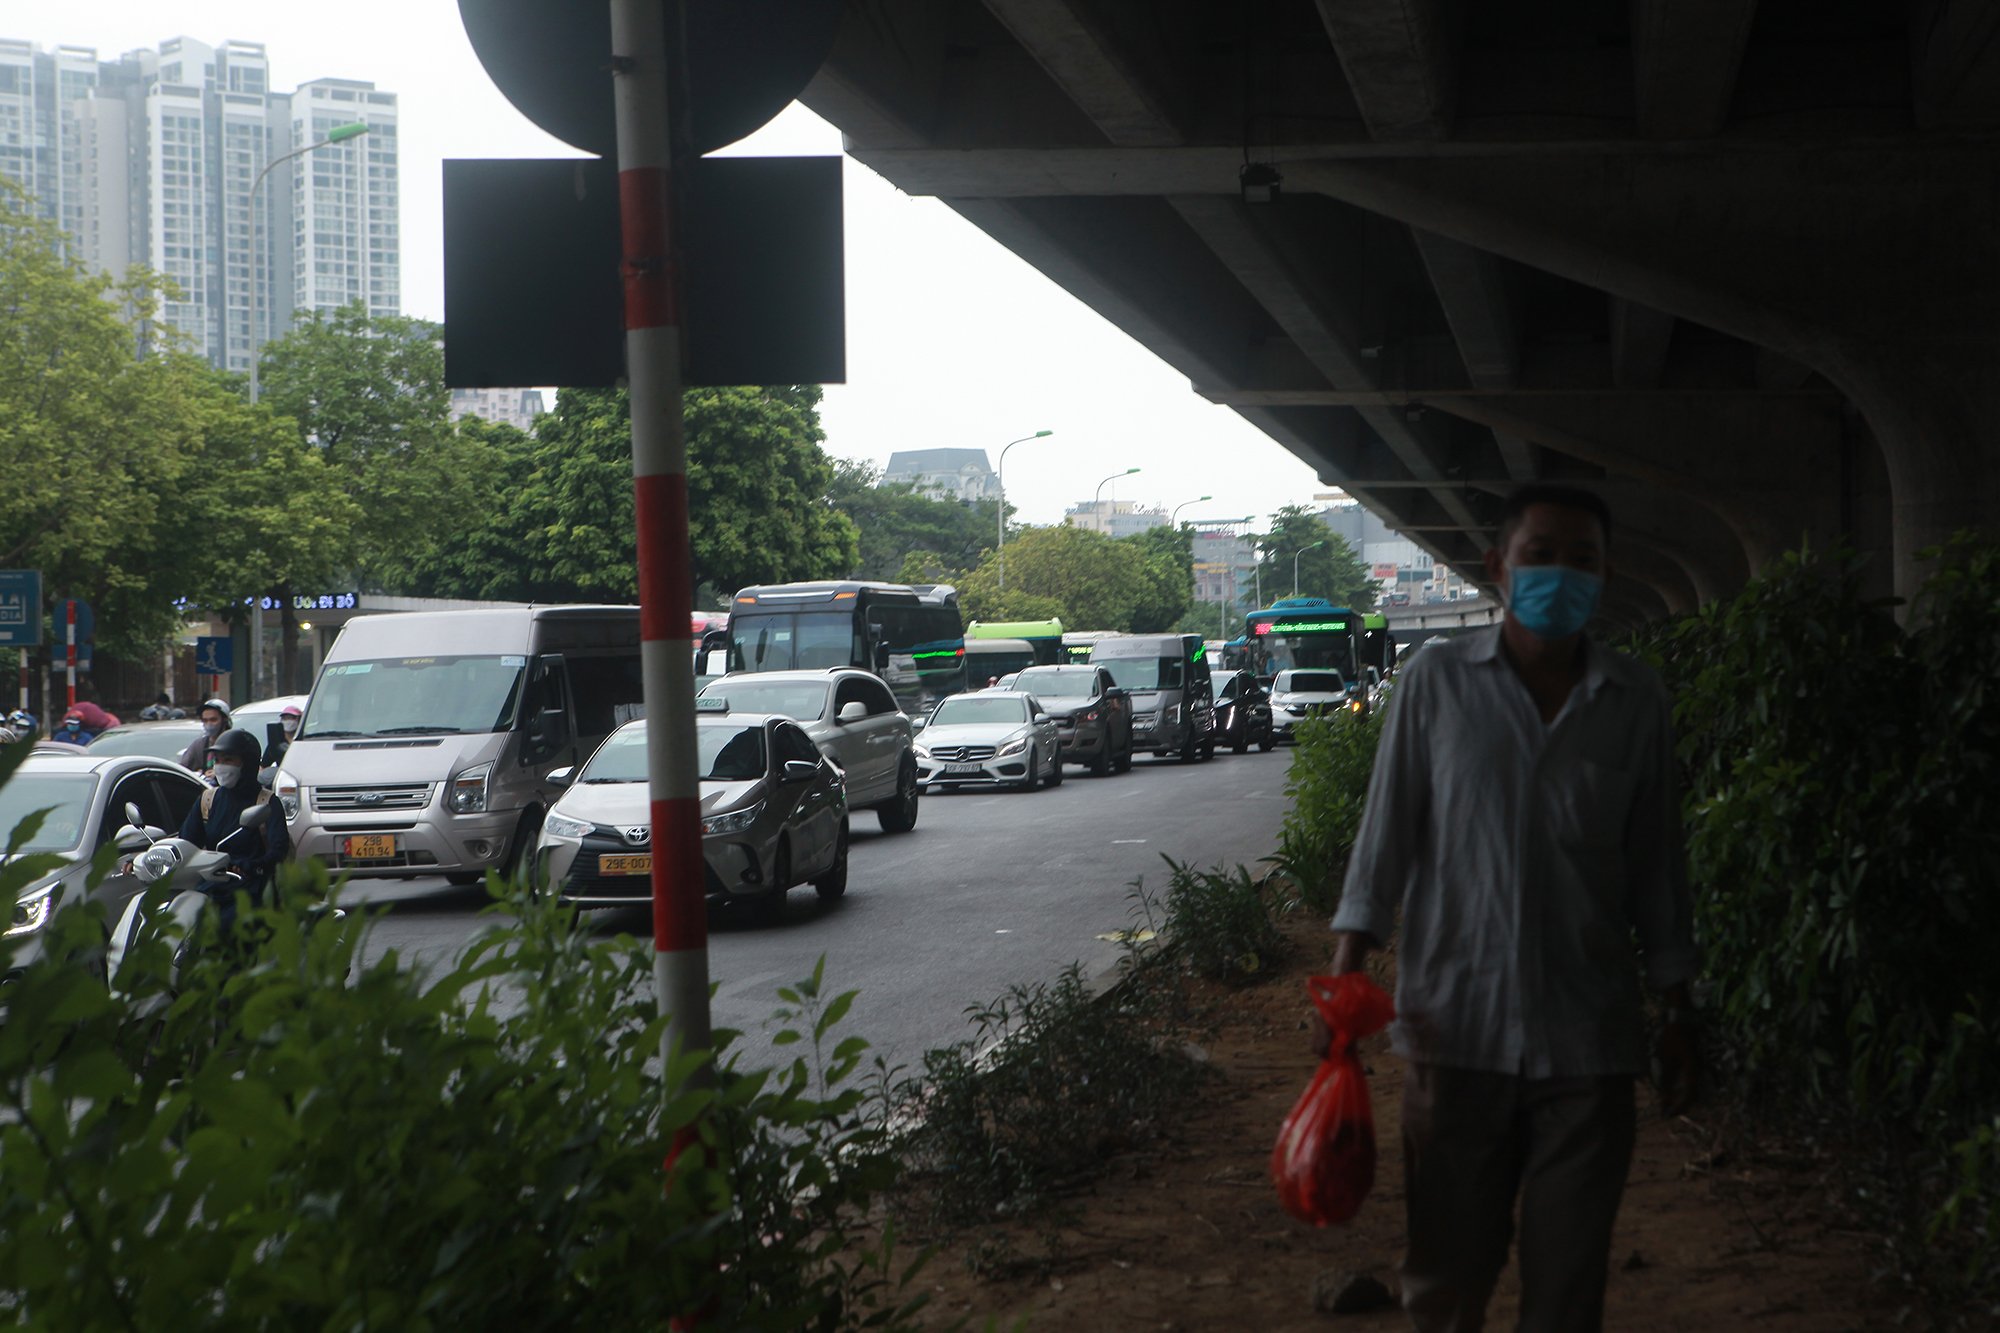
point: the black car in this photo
(1093, 715)
(1242, 712)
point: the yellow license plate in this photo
(641, 864)
(370, 847)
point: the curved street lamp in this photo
(1173, 521)
(338, 134)
(1295, 564)
(1000, 519)
(1098, 498)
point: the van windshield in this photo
(1142, 673)
(417, 696)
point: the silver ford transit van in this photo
(1173, 698)
(430, 736)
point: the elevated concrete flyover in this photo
(1734, 262)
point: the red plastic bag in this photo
(1324, 1164)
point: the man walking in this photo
(1523, 815)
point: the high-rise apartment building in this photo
(155, 158)
(509, 407)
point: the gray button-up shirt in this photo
(1528, 859)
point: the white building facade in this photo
(508, 407)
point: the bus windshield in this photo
(793, 641)
(1287, 644)
(416, 696)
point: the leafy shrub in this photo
(1328, 786)
(1844, 838)
(303, 1141)
(1221, 924)
(1052, 1082)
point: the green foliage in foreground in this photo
(305, 1140)
(1328, 786)
(1844, 841)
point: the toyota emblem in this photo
(638, 835)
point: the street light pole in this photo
(1173, 520)
(338, 134)
(1097, 498)
(1000, 518)
(1295, 564)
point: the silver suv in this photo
(853, 719)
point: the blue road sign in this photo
(214, 656)
(20, 608)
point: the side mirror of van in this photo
(852, 711)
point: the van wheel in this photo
(1192, 750)
(900, 814)
(832, 884)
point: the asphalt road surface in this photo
(990, 889)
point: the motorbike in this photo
(196, 877)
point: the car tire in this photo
(1123, 764)
(900, 814)
(1056, 771)
(1100, 763)
(1034, 778)
(522, 855)
(1268, 744)
(1241, 745)
(769, 906)
(832, 884)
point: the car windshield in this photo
(800, 700)
(963, 711)
(725, 752)
(66, 796)
(1057, 684)
(417, 696)
(159, 742)
(1311, 682)
(1142, 673)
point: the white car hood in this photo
(1304, 697)
(621, 804)
(972, 733)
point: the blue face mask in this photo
(1553, 601)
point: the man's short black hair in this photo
(1552, 493)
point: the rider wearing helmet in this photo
(214, 715)
(288, 726)
(22, 724)
(219, 813)
(72, 731)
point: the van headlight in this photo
(562, 826)
(31, 912)
(734, 821)
(468, 790)
(1170, 715)
(286, 788)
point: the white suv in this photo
(853, 718)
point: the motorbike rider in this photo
(21, 725)
(72, 731)
(288, 721)
(160, 710)
(214, 721)
(218, 814)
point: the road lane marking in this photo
(1115, 842)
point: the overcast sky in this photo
(951, 340)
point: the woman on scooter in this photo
(219, 813)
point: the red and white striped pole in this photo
(659, 475)
(69, 638)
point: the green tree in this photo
(560, 526)
(91, 434)
(897, 520)
(1086, 579)
(1166, 567)
(1333, 571)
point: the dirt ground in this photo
(1189, 1235)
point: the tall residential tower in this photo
(151, 159)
